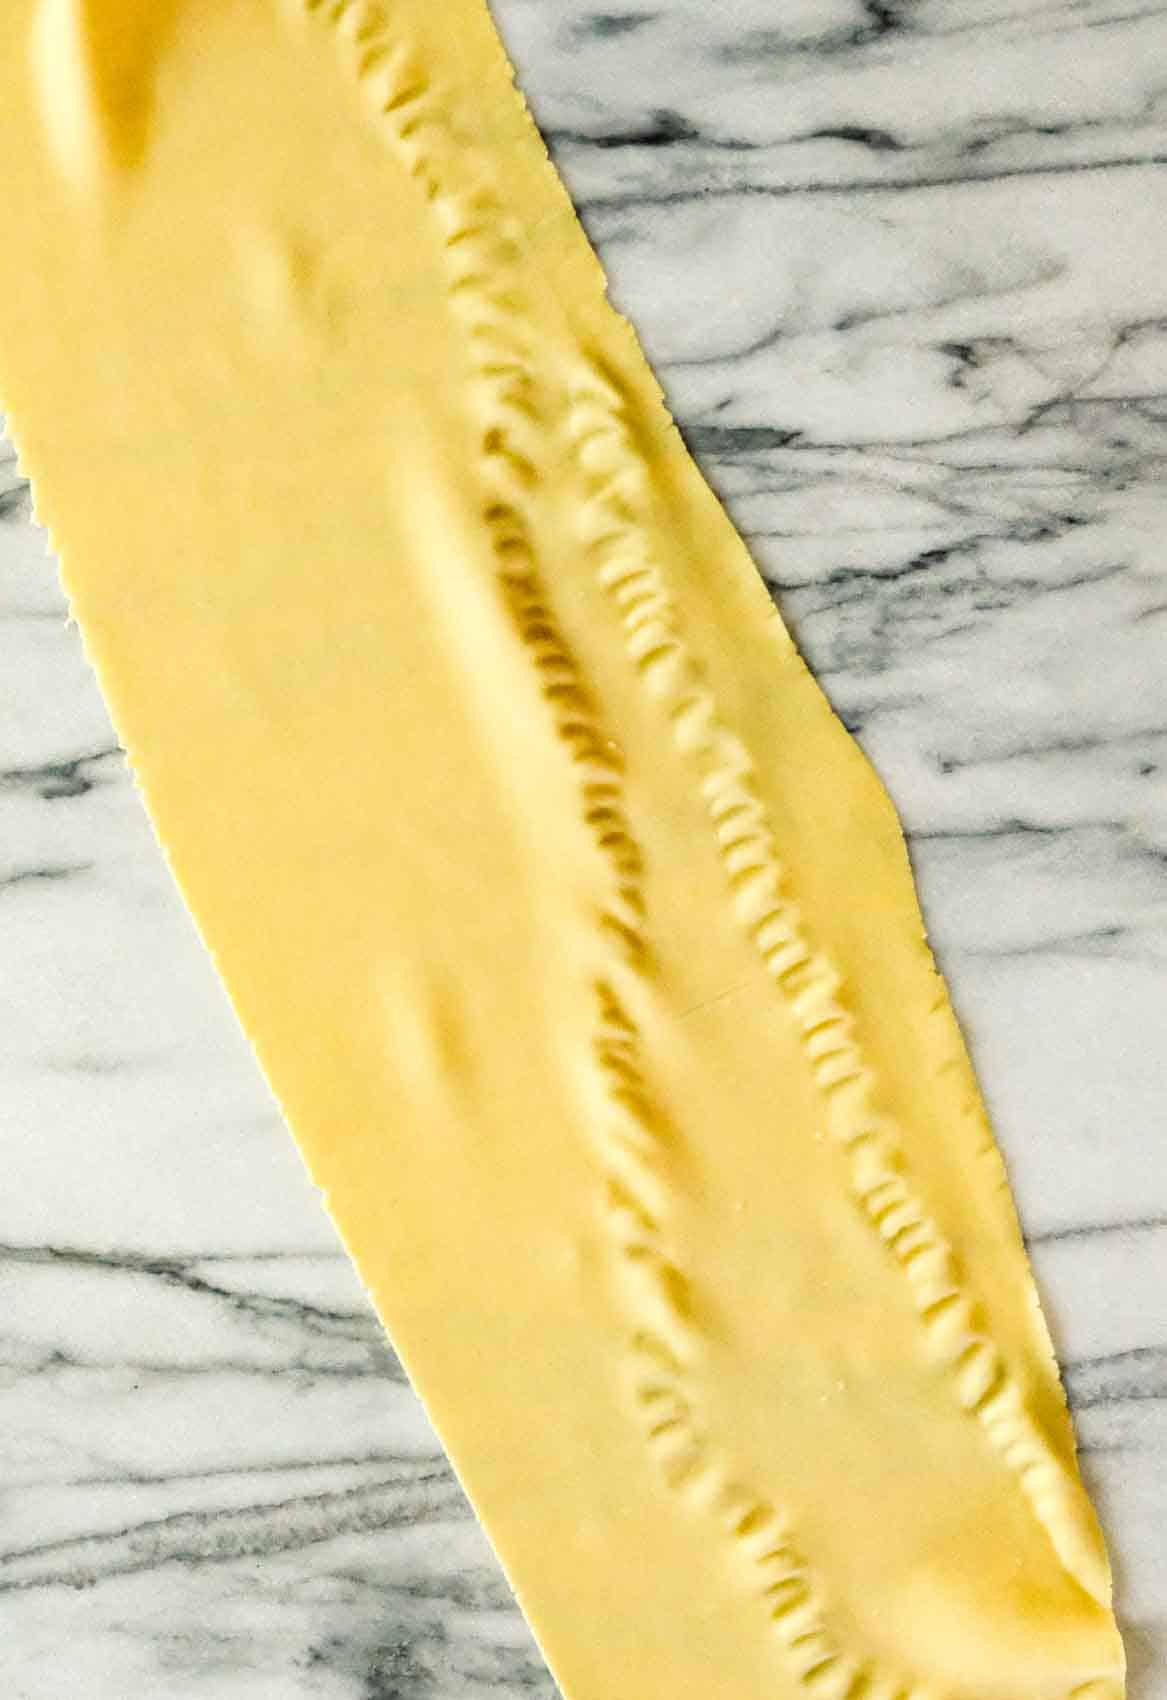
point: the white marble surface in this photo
(903, 267)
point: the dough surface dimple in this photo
(97, 63)
(573, 932)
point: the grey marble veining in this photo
(902, 267)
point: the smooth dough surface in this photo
(574, 934)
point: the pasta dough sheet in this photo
(575, 936)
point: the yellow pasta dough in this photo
(573, 932)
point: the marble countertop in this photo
(902, 265)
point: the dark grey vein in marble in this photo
(71, 776)
(255, 1531)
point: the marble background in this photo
(902, 265)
